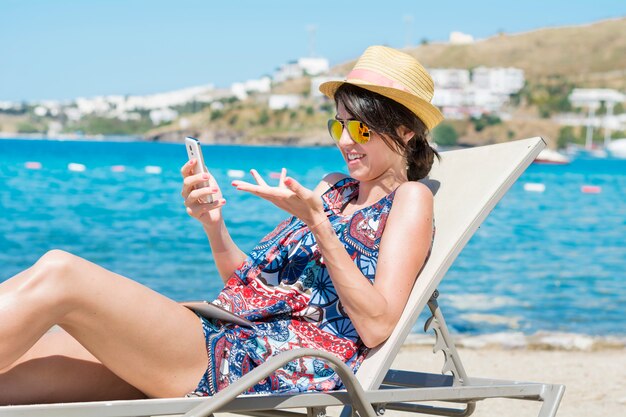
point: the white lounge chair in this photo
(467, 185)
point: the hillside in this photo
(592, 55)
(554, 61)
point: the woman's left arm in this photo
(375, 309)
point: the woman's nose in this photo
(345, 139)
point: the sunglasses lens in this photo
(358, 131)
(335, 128)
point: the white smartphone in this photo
(195, 152)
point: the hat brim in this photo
(429, 114)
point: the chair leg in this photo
(551, 399)
(444, 342)
(316, 412)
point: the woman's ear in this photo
(405, 133)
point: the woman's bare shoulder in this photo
(412, 204)
(414, 191)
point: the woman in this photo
(334, 276)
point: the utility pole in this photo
(311, 29)
(590, 117)
(608, 121)
(408, 22)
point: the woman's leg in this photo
(146, 339)
(59, 369)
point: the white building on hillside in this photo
(486, 90)
(261, 85)
(319, 80)
(284, 101)
(314, 66)
(241, 90)
(498, 80)
(450, 77)
(8, 105)
(125, 107)
(173, 98)
(301, 67)
(159, 116)
(94, 105)
(288, 71)
(488, 101)
(586, 97)
(461, 103)
(460, 38)
(448, 97)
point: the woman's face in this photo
(371, 160)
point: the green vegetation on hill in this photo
(445, 135)
(252, 121)
(96, 125)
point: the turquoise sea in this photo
(550, 261)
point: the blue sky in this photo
(63, 49)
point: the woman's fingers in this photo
(297, 189)
(187, 169)
(246, 186)
(192, 181)
(264, 191)
(198, 209)
(201, 193)
(287, 187)
(258, 178)
(196, 179)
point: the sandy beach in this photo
(595, 379)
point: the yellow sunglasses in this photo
(358, 131)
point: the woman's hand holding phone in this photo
(197, 191)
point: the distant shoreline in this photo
(81, 138)
(132, 138)
(541, 340)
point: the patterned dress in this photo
(283, 286)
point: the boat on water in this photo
(549, 156)
(617, 148)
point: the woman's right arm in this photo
(227, 255)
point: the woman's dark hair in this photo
(384, 116)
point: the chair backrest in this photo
(467, 185)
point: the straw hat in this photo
(395, 75)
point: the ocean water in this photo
(551, 261)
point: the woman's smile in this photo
(353, 158)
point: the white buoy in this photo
(535, 187)
(152, 169)
(73, 166)
(32, 165)
(118, 168)
(235, 173)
